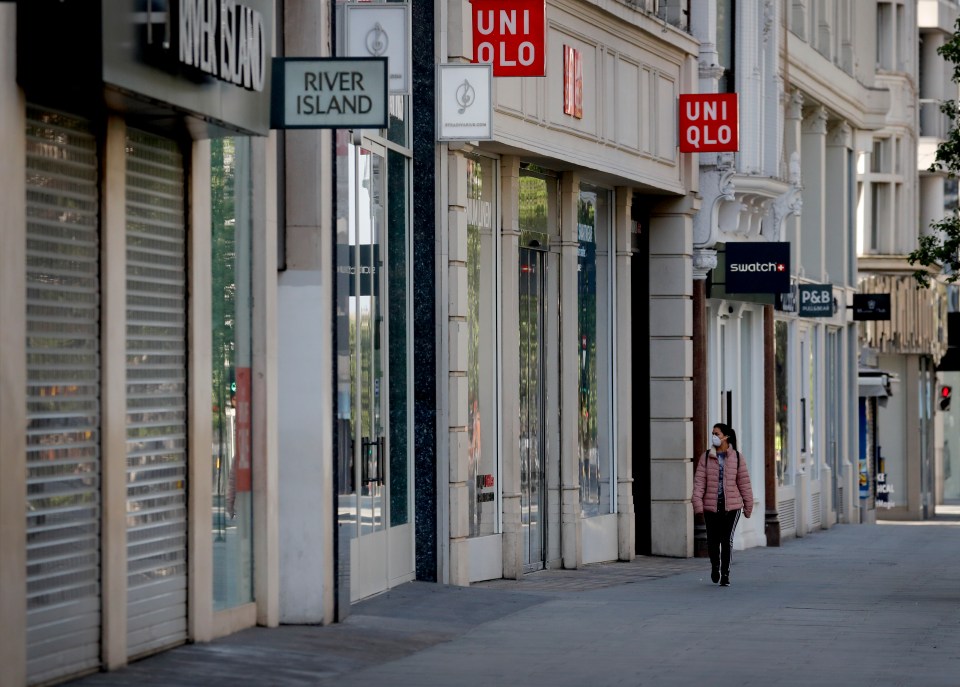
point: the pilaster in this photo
(623, 233)
(13, 357)
(671, 379)
(813, 165)
(570, 531)
(510, 351)
(458, 493)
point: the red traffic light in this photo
(945, 396)
(945, 391)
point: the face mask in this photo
(715, 440)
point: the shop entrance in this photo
(533, 485)
(374, 467)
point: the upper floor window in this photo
(726, 44)
(892, 37)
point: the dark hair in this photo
(728, 433)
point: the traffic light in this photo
(945, 394)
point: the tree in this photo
(941, 247)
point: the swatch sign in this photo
(757, 267)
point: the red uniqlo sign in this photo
(709, 123)
(511, 35)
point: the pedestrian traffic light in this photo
(945, 394)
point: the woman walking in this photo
(721, 489)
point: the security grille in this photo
(156, 395)
(63, 398)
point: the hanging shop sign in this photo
(381, 31)
(709, 123)
(511, 35)
(816, 300)
(757, 267)
(203, 63)
(329, 93)
(871, 306)
(464, 102)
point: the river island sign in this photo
(329, 93)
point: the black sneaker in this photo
(715, 575)
(725, 580)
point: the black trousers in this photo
(720, 528)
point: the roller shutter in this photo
(63, 398)
(156, 395)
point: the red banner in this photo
(511, 35)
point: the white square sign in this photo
(465, 102)
(381, 31)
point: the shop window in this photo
(782, 414)
(594, 275)
(482, 347)
(231, 356)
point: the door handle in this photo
(372, 460)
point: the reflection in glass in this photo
(231, 304)
(781, 445)
(482, 461)
(595, 332)
(532, 284)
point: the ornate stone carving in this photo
(704, 260)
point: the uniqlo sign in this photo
(511, 35)
(709, 123)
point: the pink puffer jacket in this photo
(737, 492)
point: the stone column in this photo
(458, 493)
(671, 384)
(704, 260)
(510, 350)
(623, 233)
(813, 167)
(570, 526)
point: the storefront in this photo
(541, 238)
(143, 229)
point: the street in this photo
(855, 605)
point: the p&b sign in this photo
(709, 123)
(511, 35)
(816, 300)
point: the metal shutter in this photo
(63, 398)
(156, 395)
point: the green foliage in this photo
(942, 246)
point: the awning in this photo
(876, 383)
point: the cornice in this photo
(863, 107)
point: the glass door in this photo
(532, 407)
(374, 464)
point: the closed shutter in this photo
(156, 395)
(63, 398)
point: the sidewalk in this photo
(855, 605)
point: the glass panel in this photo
(397, 125)
(482, 347)
(345, 276)
(811, 382)
(398, 279)
(531, 311)
(595, 335)
(231, 199)
(781, 443)
(366, 337)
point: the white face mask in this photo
(715, 440)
